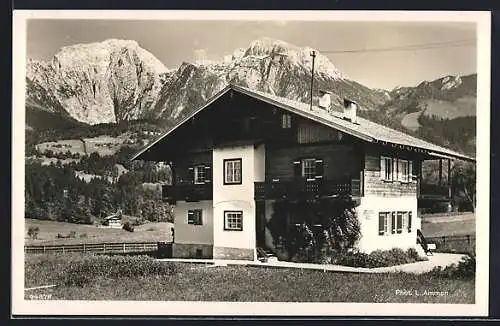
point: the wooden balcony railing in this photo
(431, 191)
(187, 191)
(296, 189)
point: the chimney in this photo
(324, 100)
(350, 108)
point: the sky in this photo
(173, 42)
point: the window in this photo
(403, 170)
(309, 168)
(383, 223)
(195, 216)
(395, 169)
(400, 218)
(394, 222)
(233, 220)
(199, 174)
(232, 171)
(286, 121)
(386, 168)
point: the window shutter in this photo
(319, 169)
(410, 171)
(198, 217)
(381, 219)
(393, 222)
(395, 169)
(208, 174)
(190, 217)
(191, 174)
(382, 168)
(409, 222)
(297, 172)
(399, 165)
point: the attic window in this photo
(286, 121)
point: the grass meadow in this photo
(87, 277)
(48, 231)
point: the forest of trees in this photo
(110, 129)
(54, 192)
(457, 134)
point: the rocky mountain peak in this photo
(99, 82)
(300, 56)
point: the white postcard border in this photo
(27, 307)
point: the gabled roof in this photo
(363, 129)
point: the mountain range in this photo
(116, 81)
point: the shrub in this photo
(83, 235)
(466, 268)
(379, 258)
(128, 227)
(72, 234)
(323, 229)
(33, 232)
(84, 271)
(137, 222)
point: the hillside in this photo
(442, 111)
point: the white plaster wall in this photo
(194, 234)
(260, 163)
(368, 212)
(234, 197)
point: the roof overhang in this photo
(305, 114)
(156, 140)
(452, 156)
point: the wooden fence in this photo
(457, 243)
(122, 247)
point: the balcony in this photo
(433, 191)
(187, 191)
(302, 189)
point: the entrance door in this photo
(260, 223)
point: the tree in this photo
(320, 230)
(33, 232)
(464, 184)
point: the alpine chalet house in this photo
(243, 150)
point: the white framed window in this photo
(384, 223)
(394, 169)
(403, 168)
(394, 222)
(286, 121)
(195, 216)
(232, 171)
(404, 223)
(386, 168)
(233, 220)
(399, 221)
(199, 174)
(309, 168)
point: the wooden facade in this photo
(347, 163)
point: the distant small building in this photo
(113, 221)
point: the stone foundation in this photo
(181, 250)
(233, 253)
